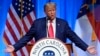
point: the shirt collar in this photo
(53, 20)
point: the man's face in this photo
(50, 11)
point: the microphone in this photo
(47, 18)
(47, 26)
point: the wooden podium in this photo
(68, 45)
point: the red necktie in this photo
(50, 31)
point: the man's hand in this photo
(91, 50)
(9, 49)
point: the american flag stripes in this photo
(19, 19)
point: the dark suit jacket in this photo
(38, 30)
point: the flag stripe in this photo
(11, 30)
(27, 23)
(33, 17)
(9, 36)
(14, 20)
(14, 27)
(30, 19)
(25, 51)
(25, 27)
(6, 38)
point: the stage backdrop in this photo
(4, 5)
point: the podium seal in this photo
(49, 47)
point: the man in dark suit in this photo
(61, 29)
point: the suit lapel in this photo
(57, 28)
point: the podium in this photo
(68, 45)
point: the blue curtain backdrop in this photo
(4, 5)
(66, 9)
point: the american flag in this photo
(19, 20)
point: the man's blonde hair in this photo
(49, 4)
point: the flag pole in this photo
(21, 17)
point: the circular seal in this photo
(49, 47)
